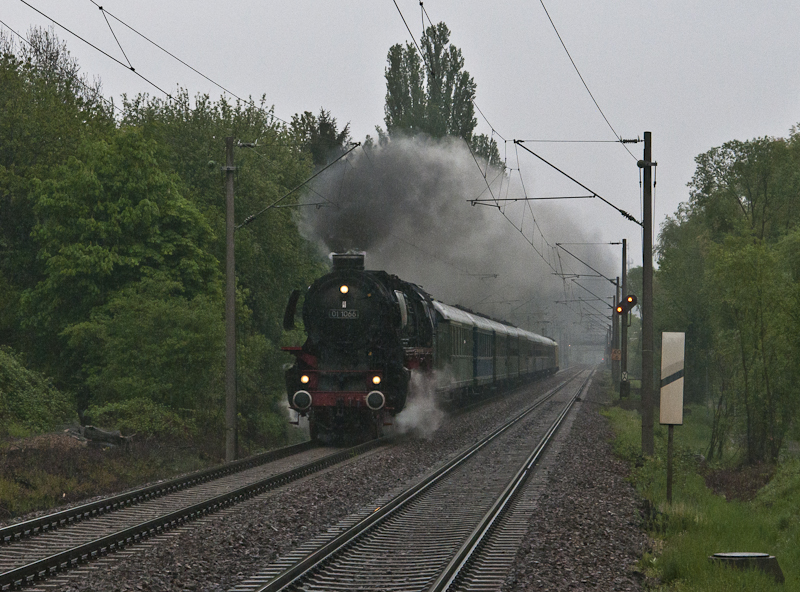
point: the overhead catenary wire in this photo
(110, 28)
(73, 77)
(495, 200)
(173, 56)
(252, 217)
(414, 39)
(543, 141)
(493, 130)
(586, 86)
(590, 292)
(560, 245)
(574, 180)
(129, 68)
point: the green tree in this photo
(152, 341)
(29, 403)
(750, 303)
(112, 216)
(728, 277)
(47, 110)
(112, 237)
(433, 94)
(319, 136)
(272, 258)
(745, 187)
(679, 298)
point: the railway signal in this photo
(626, 305)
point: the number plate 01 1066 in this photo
(336, 313)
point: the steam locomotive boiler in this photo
(368, 330)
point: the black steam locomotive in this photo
(368, 330)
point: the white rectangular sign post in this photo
(672, 359)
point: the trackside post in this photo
(671, 414)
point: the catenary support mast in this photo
(647, 300)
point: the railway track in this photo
(36, 549)
(458, 528)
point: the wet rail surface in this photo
(49, 547)
(36, 549)
(458, 528)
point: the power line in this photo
(586, 86)
(252, 217)
(515, 199)
(173, 56)
(590, 292)
(584, 262)
(130, 68)
(621, 211)
(496, 201)
(412, 36)
(72, 76)
(543, 141)
(110, 28)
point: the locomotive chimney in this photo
(348, 261)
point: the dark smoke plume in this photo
(407, 205)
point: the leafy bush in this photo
(29, 404)
(151, 342)
(142, 417)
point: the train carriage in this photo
(368, 330)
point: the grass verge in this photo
(699, 522)
(51, 472)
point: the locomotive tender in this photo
(368, 330)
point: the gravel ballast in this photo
(586, 536)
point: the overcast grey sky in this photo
(695, 74)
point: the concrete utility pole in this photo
(230, 308)
(647, 164)
(624, 385)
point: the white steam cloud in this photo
(421, 415)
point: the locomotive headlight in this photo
(344, 289)
(304, 379)
(376, 380)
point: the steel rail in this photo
(49, 522)
(467, 551)
(314, 560)
(43, 568)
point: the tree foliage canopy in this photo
(319, 136)
(433, 94)
(112, 233)
(728, 277)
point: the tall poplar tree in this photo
(433, 94)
